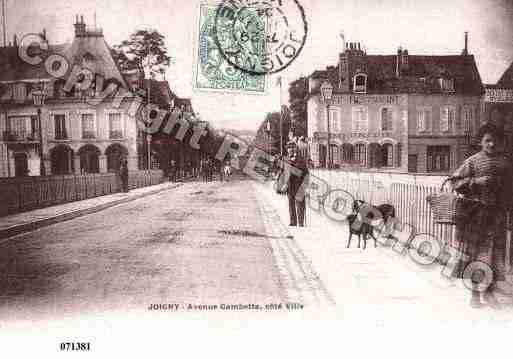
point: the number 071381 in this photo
(74, 346)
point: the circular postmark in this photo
(260, 37)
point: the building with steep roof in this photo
(498, 106)
(398, 112)
(82, 129)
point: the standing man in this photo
(123, 173)
(298, 174)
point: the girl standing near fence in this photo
(487, 177)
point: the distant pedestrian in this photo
(123, 174)
(173, 171)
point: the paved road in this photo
(212, 244)
(204, 243)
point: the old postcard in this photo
(255, 178)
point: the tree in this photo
(271, 142)
(145, 49)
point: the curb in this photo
(17, 229)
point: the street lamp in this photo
(39, 101)
(327, 93)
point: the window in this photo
(399, 155)
(334, 120)
(360, 153)
(360, 83)
(58, 89)
(447, 85)
(115, 126)
(20, 92)
(388, 155)
(88, 128)
(447, 117)
(22, 128)
(468, 119)
(423, 119)
(360, 119)
(386, 119)
(60, 127)
(438, 158)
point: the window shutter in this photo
(457, 120)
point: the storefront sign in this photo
(367, 99)
(499, 95)
(352, 136)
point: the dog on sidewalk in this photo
(365, 229)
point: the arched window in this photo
(361, 153)
(388, 155)
(62, 160)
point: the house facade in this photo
(498, 106)
(402, 112)
(82, 130)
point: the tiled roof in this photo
(94, 49)
(13, 68)
(506, 80)
(420, 76)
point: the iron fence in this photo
(27, 193)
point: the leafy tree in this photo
(145, 49)
(271, 142)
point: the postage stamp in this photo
(213, 70)
(260, 37)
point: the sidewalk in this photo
(378, 283)
(29, 221)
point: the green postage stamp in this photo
(213, 72)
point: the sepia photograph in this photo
(250, 178)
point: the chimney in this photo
(44, 34)
(80, 27)
(404, 60)
(15, 41)
(398, 62)
(358, 46)
(465, 50)
(343, 72)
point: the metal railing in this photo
(20, 136)
(23, 194)
(409, 199)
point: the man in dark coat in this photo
(298, 174)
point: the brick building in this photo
(401, 112)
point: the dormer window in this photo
(447, 85)
(88, 57)
(360, 83)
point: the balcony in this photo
(20, 136)
(115, 135)
(88, 135)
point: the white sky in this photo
(421, 26)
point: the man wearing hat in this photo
(297, 207)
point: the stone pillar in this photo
(103, 163)
(76, 164)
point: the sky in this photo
(421, 26)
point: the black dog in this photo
(386, 210)
(364, 229)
